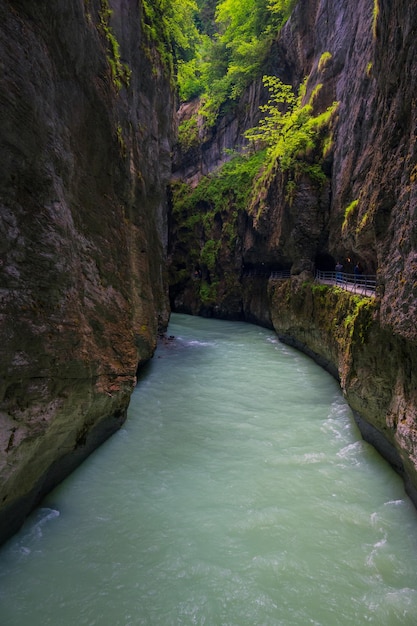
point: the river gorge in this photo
(129, 213)
(239, 491)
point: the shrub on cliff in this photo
(289, 129)
(205, 222)
(291, 133)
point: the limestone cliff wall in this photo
(85, 133)
(372, 74)
(376, 368)
(365, 59)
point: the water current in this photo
(238, 493)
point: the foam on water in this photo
(32, 532)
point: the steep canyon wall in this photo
(363, 58)
(372, 74)
(85, 138)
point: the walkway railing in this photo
(280, 275)
(365, 284)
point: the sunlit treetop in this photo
(214, 47)
(235, 37)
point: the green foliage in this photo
(343, 316)
(291, 133)
(208, 292)
(241, 25)
(375, 16)
(282, 9)
(188, 133)
(231, 185)
(234, 43)
(120, 139)
(315, 92)
(364, 221)
(206, 16)
(289, 128)
(120, 72)
(208, 255)
(189, 80)
(169, 25)
(324, 60)
(349, 212)
(206, 217)
(285, 128)
(359, 317)
(317, 288)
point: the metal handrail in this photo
(358, 283)
(364, 284)
(280, 274)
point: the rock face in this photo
(376, 368)
(372, 73)
(86, 126)
(366, 61)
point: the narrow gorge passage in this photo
(238, 492)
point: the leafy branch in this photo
(289, 129)
(292, 136)
(231, 50)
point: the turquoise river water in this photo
(238, 493)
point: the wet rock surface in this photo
(83, 293)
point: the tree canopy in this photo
(215, 47)
(234, 39)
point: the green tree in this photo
(171, 26)
(179, 19)
(232, 48)
(281, 9)
(289, 129)
(205, 19)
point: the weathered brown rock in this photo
(83, 293)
